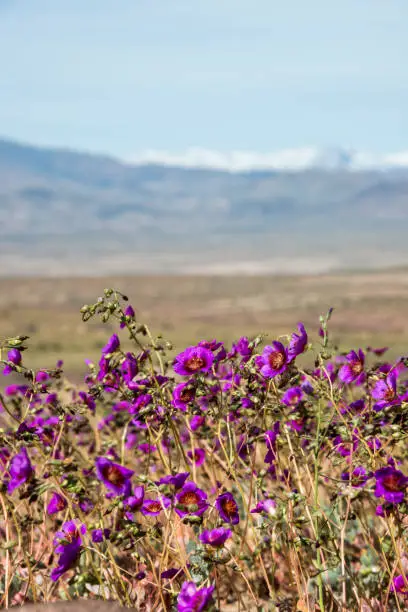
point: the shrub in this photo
(226, 478)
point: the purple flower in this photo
(192, 599)
(271, 437)
(357, 478)
(193, 360)
(379, 511)
(247, 402)
(42, 377)
(112, 345)
(171, 573)
(203, 402)
(296, 424)
(274, 360)
(16, 390)
(227, 508)
(110, 380)
(131, 439)
(20, 470)
(345, 448)
(123, 406)
(134, 502)
(232, 381)
(14, 356)
(293, 396)
(129, 312)
(191, 500)
(374, 443)
(400, 584)
(212, 345)
(197, 457)
(129, 368)
(86, 505)
(141, 402)
(377, 351)
(32, 428)
(306, 385)
(390, 484)
(298, 342)
(56, 504)
(384, 510)
(242, 348)
(105, 421)
(244, 447)
(147, 448)
(384, 368)
(196, 421)
(99, 535)
(329, 371)
(216, 537)
(356, 407)
(166, 443)
(183, 395)
(152, 507)
(176, 480)
(267, 506)
(68, 543)
(386, 391)
(114, 476)
(87, 400)
(353, 370)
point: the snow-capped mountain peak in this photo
(296, 159)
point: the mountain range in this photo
(71, 213)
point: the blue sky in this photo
(125, 76)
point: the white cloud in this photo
(285, 159)
(397, 159)
(235, 160)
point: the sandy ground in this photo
(370, 309)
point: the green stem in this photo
(316, 507)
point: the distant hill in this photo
(64, 212)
